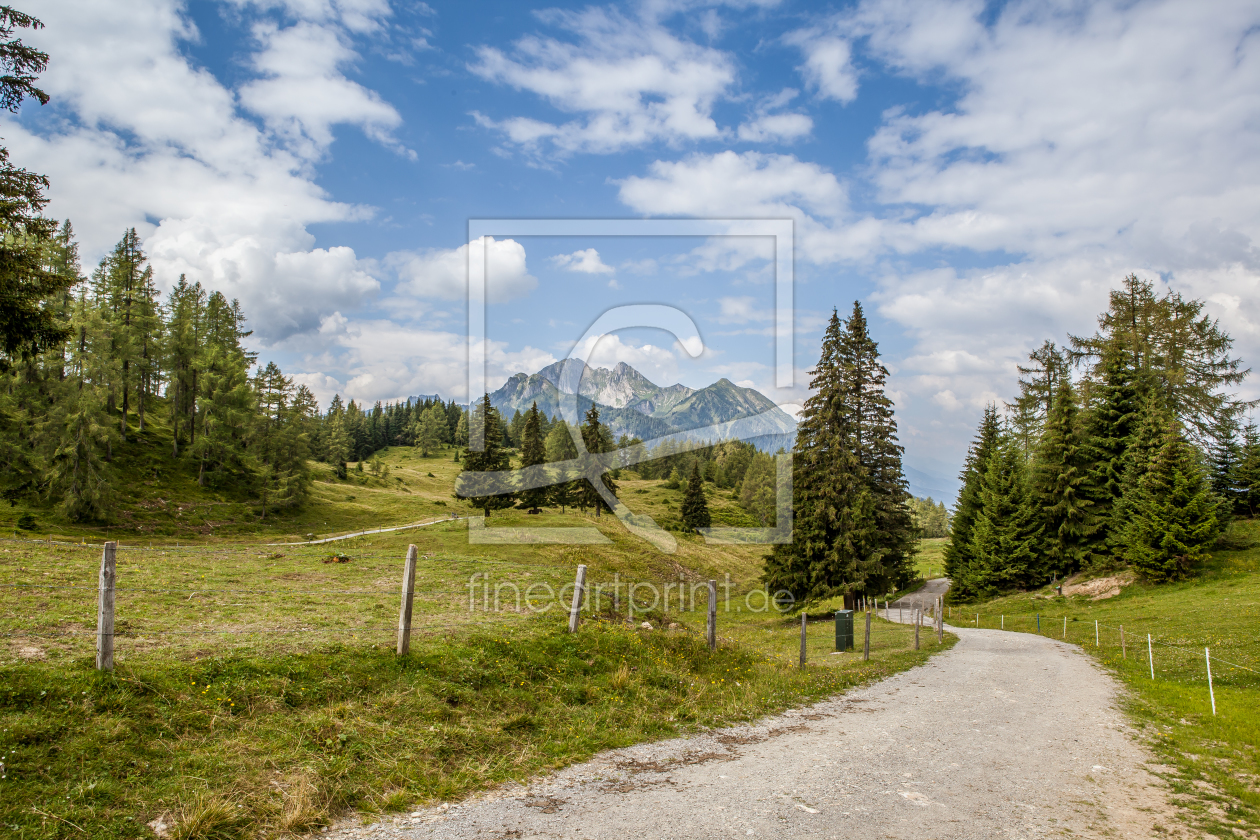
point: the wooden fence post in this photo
(105, 610)
(866, 643)
(711, 630)
(575, 610)
(1207, 657)
(408, 593)
(803, 617)
(916, 630)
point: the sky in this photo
(978, 175)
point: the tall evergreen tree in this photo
(1225, 456)
(959, 551)
(834, 548)
(560, 447)
(1248, 474)
(533, 453)
(695, 508)
(477, 488)
(1106, 431)
(1174, 517)
(1039, 385)
(598, 441)
(225, 404)
(1060, 471)
(868, 411)
(428, 430)
(280, 443)
(1005, 531)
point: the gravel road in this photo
(1005, 736)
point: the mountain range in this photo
(632, 405)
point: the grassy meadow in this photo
(1213, 760)
(257, 692)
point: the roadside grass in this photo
(930, 561)
(257, 693)
(1213, 760)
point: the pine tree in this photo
(959, 552)
(1065, 516)
(533, 453)
(560, 447)
(834, 548)
(279, 442)
(597, 442)
(479, 489)
(1004, 532)
(1174, 516)
(695, 508)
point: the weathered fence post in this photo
(711, 629)
(1123, 655)
(1207, 656)
(866, 644)
(408, 597)
(940, 619)
(105, 610)
(1096, 632)
(803, 617)
(575, 609)
(916, 630)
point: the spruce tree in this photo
(1059, 476)
(479, 489)
(1004, 532)
(597, 441)
(560, 447)
(695, 508)
(1106, 431)
(533, 453)
(1174, 513)
(1248, 474)
(1152, 423)
(834, 547)
(959, 550)
(1225, 455)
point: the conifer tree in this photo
(280, 443)
(757, 489)
(597, 441)
(478, 489)
(834, 548)
(533, 453)
(1004, 532)
(225, 404)
(1248, 474)
(959, 551)
(1152, 423)
(1174, 514)
(869, 413)
(1225, 454)
(695, 508)
(1106, 432)
(1039, 385)
(428, 430)
(1064, 514)
(560, 447)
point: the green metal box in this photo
(844, 630)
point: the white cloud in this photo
(776, 127)
(658, 364)
(371, 360)
(741, 310)
(586, 261)
(728, 184)
(828, 66)
(139, 137)
(443, 273)
(629, 82)
(302, 93)
(356, 15)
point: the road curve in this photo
(1005, 736)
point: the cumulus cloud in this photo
(828, 67)
(776, 127)
(658, 364)
(586, 261)
(377, 359)
(628, 81)
(142, 138)
(302, 93)
(443, 273)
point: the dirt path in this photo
(1005, 736)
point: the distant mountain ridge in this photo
(629, 403)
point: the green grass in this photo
(1214, 761)
(242, 707)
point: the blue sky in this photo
(979, 175)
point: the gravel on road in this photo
(1006, 735)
